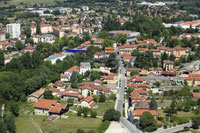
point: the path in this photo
(39, 130)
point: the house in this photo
(193, 81)
(45, 28)
(128, 49)
(58, 109)
(5, 45)
(2, 36)
(59, 85)
(156, 71)
(58, 32)
(93, 89)
(36, 96)
(168, 65)
(65, 77)
(88, 102)
(29, 49)
(138, 112)
(141, 105)
(128, 70)
(112, 78)
(109, 50)
(48, 38)
(84, 67)
(43, 106)
(99, 56)
(126, 57)
(137, 80)
(140, 86)
(196, 95)
(56, 56)
(67, 95)
(71, 70)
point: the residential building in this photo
(58, 32)
(48, 38)
(56, 56)
(84, 67)
(36, 96)
(138, 112)
(2, 36)
(45, 28)
(88, 102)
(71, 70)
(168, 65)
(13, 30)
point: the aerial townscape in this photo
(99, 66)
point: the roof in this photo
(109, 48)
(45, 104)
(70, 94)
(37, 93)
(139, 112)
(190, 23)
(57, 109)
(92, 104)
(196, 95)
(59, 84)
(88, 99)
(64, 75)
(87, 42)
(72, 69)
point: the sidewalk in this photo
(115, 127)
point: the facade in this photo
(58, 32)
(48, 38)
(2, 36)
(13, 30)
(84, 67)
(56, 56)
(45, 28)
(88, 102)
(36, 96)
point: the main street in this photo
(120, 99)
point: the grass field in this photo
(102, 107)
(69, 125)
(17, 2)
(165, 103)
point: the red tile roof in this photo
(92, 104)
(196, 95)
(64, 76)
(45, 104)
(88, 99)
(139, 112)
(72, 69)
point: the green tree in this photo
(103, 34)
(102, 98)
(10, 122)
(48, 94)
(80, 131)
(134, 73)
(38, 31)
(196, 121)
(111, 115)
(153, 104)
(95, 75)
(86, 36)
(112, 61)
(103, 127)
(19, 45)
(113, 97)
(147, 122)
(172, 57)
(70, 100)
(27, 31)
(93, 114)
(79, 111)
(1, 58)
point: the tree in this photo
(172, 57)
(27, 31)
(75, 84)
(113, 97)
(48, 94)
(86, 36)
(93, 114)
(153, 104)
(70, 100)
(7, 35)
(172, 109)
(112, 61)
(147, 122)
(19, 45)
(196, 121)
(103, 127)
(85, 111)
(95, 75)
(111, 115)
(103, 34)
(134, 73)
(102, 98)
(38, 31)
(122, 38)
(10, 122)
(79, 111)
(80, 131)
(157, 84)
(1, 58)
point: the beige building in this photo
(36, 96)
(88, 102)
(168, 65)
(46, 28)
(58, 32)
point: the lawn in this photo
(69, 125)
(179, 113)
(102, 107)
(23, 125)
(165, 103)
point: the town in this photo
(99, 66)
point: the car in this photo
(186, 127)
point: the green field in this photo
(17, 2)
(102, 107)
(165, 103)
(68, 125)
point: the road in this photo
(173, 129)
(39, 130)
(120, 99)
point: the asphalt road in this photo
(128, 125)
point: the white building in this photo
(85, 8)
(13, 30)
(56, 56)
(2, 36)
(48, 38)
(84, 67)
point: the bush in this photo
(79, 111)
(111, 115)
(80, 131)
(93, 114)
(103, 127)
(102, 98)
